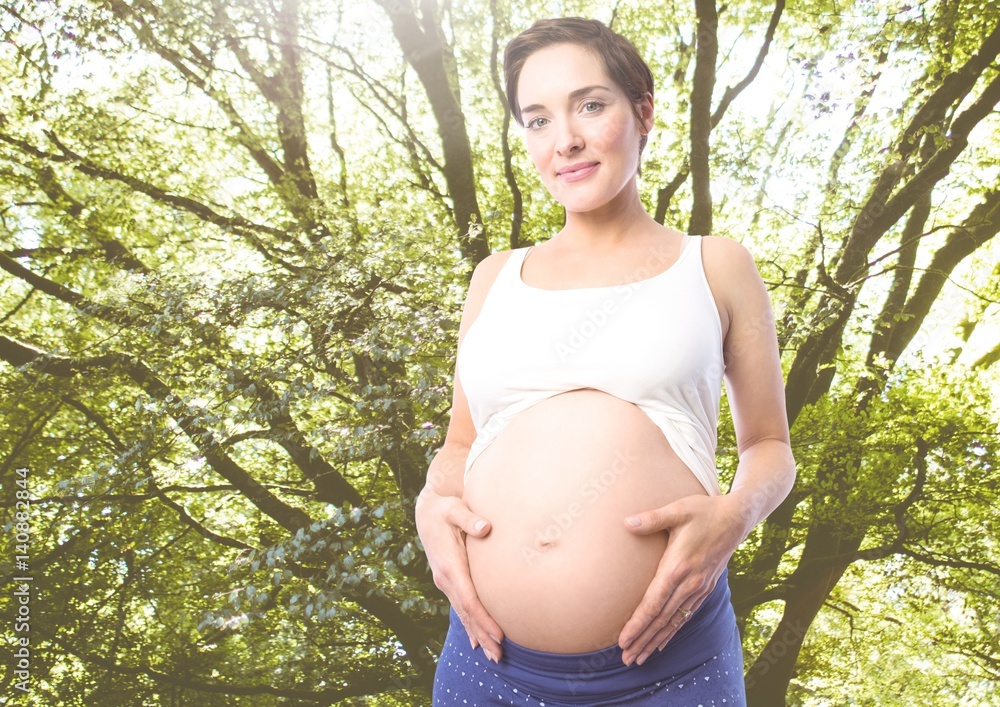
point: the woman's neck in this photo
(608, 227)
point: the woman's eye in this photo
(535, 123)
(596, 104)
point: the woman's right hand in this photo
(442, 523)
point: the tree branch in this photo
(151, 480)
(139, 27)
(424, 48)
(64, 294)
(360, 684)
(732, 92)
(234, 224)
(412, 636)
(980, 226)
(331, 486)
(114, 251)
(517, 209)
(879, 212)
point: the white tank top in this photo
(656, 343)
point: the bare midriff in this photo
(559, 571)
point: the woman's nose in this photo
(568, 138)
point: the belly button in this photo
(544, 544)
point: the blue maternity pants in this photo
(702, 665)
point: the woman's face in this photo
(580, 128)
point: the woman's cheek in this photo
(538, 159)
(612, 132)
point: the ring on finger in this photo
(685, 614)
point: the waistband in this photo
(601, 674)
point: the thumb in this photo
(461, 515)
(662, 518)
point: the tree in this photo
(235, 243)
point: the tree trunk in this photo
(423, 47)
(701, 116)
(768, 677)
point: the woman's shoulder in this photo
(732, 275)
(488, 268)
(725, 248)
(729, 259)
(485, 274)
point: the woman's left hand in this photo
(704, 531)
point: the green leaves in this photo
(279, 254)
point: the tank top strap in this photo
(510, 274)
(504, 287)
(688, 243)
(690, 259)
(695, 245)
(699, 255)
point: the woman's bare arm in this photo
(706, 530)
(756, 392)
(443, 518)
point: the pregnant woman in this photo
(573, 516)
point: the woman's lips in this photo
(578, 174)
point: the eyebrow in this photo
(575, 94)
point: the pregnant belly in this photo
(559, 571)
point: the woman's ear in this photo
(645, 105)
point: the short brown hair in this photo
(619, 56)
